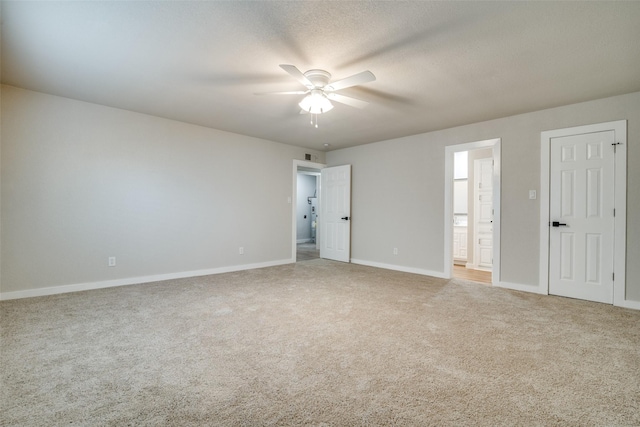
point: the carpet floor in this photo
(317, 343)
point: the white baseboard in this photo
(309, 240)
(54, 290)
(471, 266)
(630, 304)
(518, 287)
(413, 270)
(635, 305)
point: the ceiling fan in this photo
(320, 92)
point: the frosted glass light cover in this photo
(316, 103)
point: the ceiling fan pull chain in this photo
(317, 118)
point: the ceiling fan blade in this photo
(297, 74)
(347, 100)
(295, 92)
(356, 79)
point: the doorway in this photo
(305, 208)
(472, 211)
(333, 218)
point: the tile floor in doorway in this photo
(461, 272)
(306, 251)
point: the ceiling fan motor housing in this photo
(319, 78)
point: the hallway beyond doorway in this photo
(306, 252)
(460, 272)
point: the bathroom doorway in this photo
(471, 219)
(305, 200)
(307, 208)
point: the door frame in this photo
(495, 144)
(620, 202)
(294, 200)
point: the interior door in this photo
(483, 213)
(335, 213)
(582, 217)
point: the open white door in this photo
(483, 214)
(335, 213)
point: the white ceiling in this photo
(438, 64)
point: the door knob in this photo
(346, 218)
(558, 224)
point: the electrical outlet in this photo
(112, 261)
(395, 251)
(241, 250)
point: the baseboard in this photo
(63, 289)
(635, 305)
(413, 270)
(471, 266)
(309, 240)
(519, 287)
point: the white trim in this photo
(543, 273)
(519, 287)
(294, 200)
(620, 220)
(309, 240)
(438, 274)
(635, 305)
(63, 289)
(495, 144)
(497, 212)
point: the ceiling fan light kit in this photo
(316, 102)
(319, 91)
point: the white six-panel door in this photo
(483, 213)
(335, 213)
(582, 208)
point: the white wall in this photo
(401, 181)
(83, 182)
(460, 196)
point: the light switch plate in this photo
(532, 194)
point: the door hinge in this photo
(613, 276)
(615, 145)
(614, 212)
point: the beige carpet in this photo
(317, 343)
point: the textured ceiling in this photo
(438, 64)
